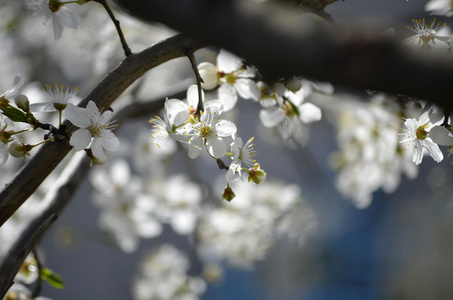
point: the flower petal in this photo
(77, 116)
(441, 136)
(68, 17)
(109, 141)
(228, 95)
(225, 128)
(228, 62)
(271, 117)
(433, 149)
(80, 139)
(216, 146)
(96, 149)
(309, 113)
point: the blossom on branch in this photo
(95, 127)
(59, 98)
(233, 77)
(418, 139)
(54, 9)
(426, 34)
(209, 132)
(241, 153)
(440, 7)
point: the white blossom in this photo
(241, 153)
(59, 98)
(14, 89)
(163, 275)
(95, 127)
(440, 7)
(209, 132)
(53, 9)
(418, 140)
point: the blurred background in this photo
(305, 241)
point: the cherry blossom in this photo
(417, 138)
(59, 98)
(241, 153)
(54, 9)
(95, 127)
(209, 132)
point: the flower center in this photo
(54, 5)
(204, 130)
(290, 109)
(421, 133)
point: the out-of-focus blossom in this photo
(241, 231)
(55, 10)
(126, 212)
(163, 275)
(440, 7)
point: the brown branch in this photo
(193, 62)
(12, 261)
(281, 45)
(127, 50)
(28, 179)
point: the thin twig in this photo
(127, 50)
(222, 165)
(12, 261)
(193, 62)
(38, 287)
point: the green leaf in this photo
(52, 278)
(14, 114)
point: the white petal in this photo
(97, 150)
(57, 28)
(3, 153)
(192, 95)
(225, 128)
(68, 17)
(177, 111)
(418, 153)
(246, 88)
(441, 136)
(194, 152)
(109, 141)
(216, 146)
(77, 116)
(228, 95)
(271, 117)
(208, 73)
(309, 113)
(228, 62)
(80, 139)
(92, 110)
(433, 150)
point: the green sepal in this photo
(14, 114)
(52, 278)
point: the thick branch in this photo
(28, 179)
(281, 45)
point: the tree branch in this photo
(281, 45)
(28, 179)
(11, 262)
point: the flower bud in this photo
(228, 194)
(256, 175)
(208, 73)
(95, 160)
(22, 102)
(19, 149)
(294, 85)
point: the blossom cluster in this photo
(95, 128)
